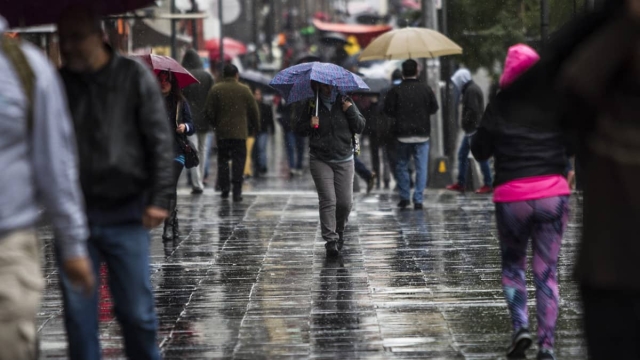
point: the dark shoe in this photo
(386, 185)
(371, 182)
(546, 354)
(485, 190)
(332, 249)
(519, 345)
(197, 191)
(237, 198)
(167, 232)
(224, 195)
(456, 187)
(403, 204)
(340, 240)
(417, 206)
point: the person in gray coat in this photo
(196, 95)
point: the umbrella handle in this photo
(317, 107)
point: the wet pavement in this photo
(250, 281)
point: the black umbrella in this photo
(376, 85)
(39, 12)
(334, 38)
(258, 80)
(305, 58)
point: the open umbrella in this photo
(376, 85)
(294, 83)
(231, 46)
(334, 38)
(160, 63)
(39, 12)
(257, 79)
(410, 43)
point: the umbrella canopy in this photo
(376, 85)
(294, 83)
(39, 12)
(231, 46)
(164, 63)
(334, 38)
(410, 43)
(258, 80)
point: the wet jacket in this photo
(601, 79)
(123, 136)
(519, 150)
(196, 94)
(411, 104)
(472, 107)
(229, 109)
(332, 140)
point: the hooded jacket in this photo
(522, 137)
(472, 100)
(196, 94)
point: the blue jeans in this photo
(361, 169)
(261, 143)
(295, 146)
(420, 153)
(463, 164)
(125, 250)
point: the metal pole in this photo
(194, 25)
(544, 22)
(221, 46)
(174, 49)
(256, 21)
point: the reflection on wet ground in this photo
(250, 281)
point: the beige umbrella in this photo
(410, 43)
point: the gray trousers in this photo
(199, 139)
(334, 183)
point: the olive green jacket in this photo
(229, 109)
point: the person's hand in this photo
(315, 122)
(154, 216)
(181, 129)
(346, 105)
(80, 273)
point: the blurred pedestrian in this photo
(294, 144)
(230, 108)
(267, 129)
(384, 128)
(531, 200)
(196, 95)
(331, 159)
(472, 99)
(252, 133)
(367, 107)
(124, 144)
(40, 170)
(601, 78)
(179, 115)
(411, 104)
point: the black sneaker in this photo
(196, 191)
(237, 198)
(417, 206)
(332, 249)
(520, 343)
(403, 204)
(546, 354)
(371, 182)
(341, 240)
(224, 195)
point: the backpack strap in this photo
(16, 56)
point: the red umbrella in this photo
(215, 55)
(160, 63)
(232, 47)
(41, 12)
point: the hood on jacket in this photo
(191, 60)
(461, 78)
(520, 58)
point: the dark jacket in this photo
(184, 117)
(124, 139)
(266, 118)
(601, 80)
(196, 94)
(472, 107)
(332, 140)
(519, 151)
(230, 108)
(411, 104)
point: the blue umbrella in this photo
(294, 83)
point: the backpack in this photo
(13, 52)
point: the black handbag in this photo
(190, 151)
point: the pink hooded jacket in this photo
(520, 58)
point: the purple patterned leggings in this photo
(544, 221)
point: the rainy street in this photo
(250, 281)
